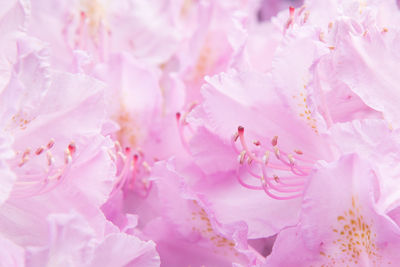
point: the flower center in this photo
(87, 27)
(354, 240)
(281, 176)
(132, 170)
(44, 179)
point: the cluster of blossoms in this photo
(199, 133)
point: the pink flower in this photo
(61, 160)
(61, 163)
(102, 28)
(343, 221)
(181, 132)
(269, 173)
(373, 140)
(13, 21)
(72, 242)
(365, 48)
(187, 222)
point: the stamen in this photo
(120, 181)
(67, 156)
(270, 194)
(242, 156)
(291, 11)
(147, 186)
(274, 141)
(181, 132)
(35, 184)
(276, 187)
(298, 152)
(26, 153)
(112, 155)
(134, 167)
(39, 150)
(244, 145)
(271, 185)
(253, 174)
(291, 159)
(117, 145)
(50, 159)
(146, 166)
(256, 143)
(290, 19)
(277, 152)
(235, 136)
(50, 144)
(266, 157)
(72, 148)
(23, 161)
(254, 187)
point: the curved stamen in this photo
(281, 181)
(181, 133)
(182, 123)
(240, 180)
(147, 188)
(282, 188)
(264, 177)
(37, 184)
(121, 179)
(286, 167)
(244, 145)
(272, 195)
(134, 170)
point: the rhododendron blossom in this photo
(199, 133)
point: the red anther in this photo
(276, 178)
(135, 158)
(83, 15)
(256, 142)
(26, 153)
(50, 144)
(298, 152)
(291, 11)
(72, 148)
(39, 150)
(178, 116)
(235, 137)
(274, 141)
(240, 129)
(290, 20)
(127, 150)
